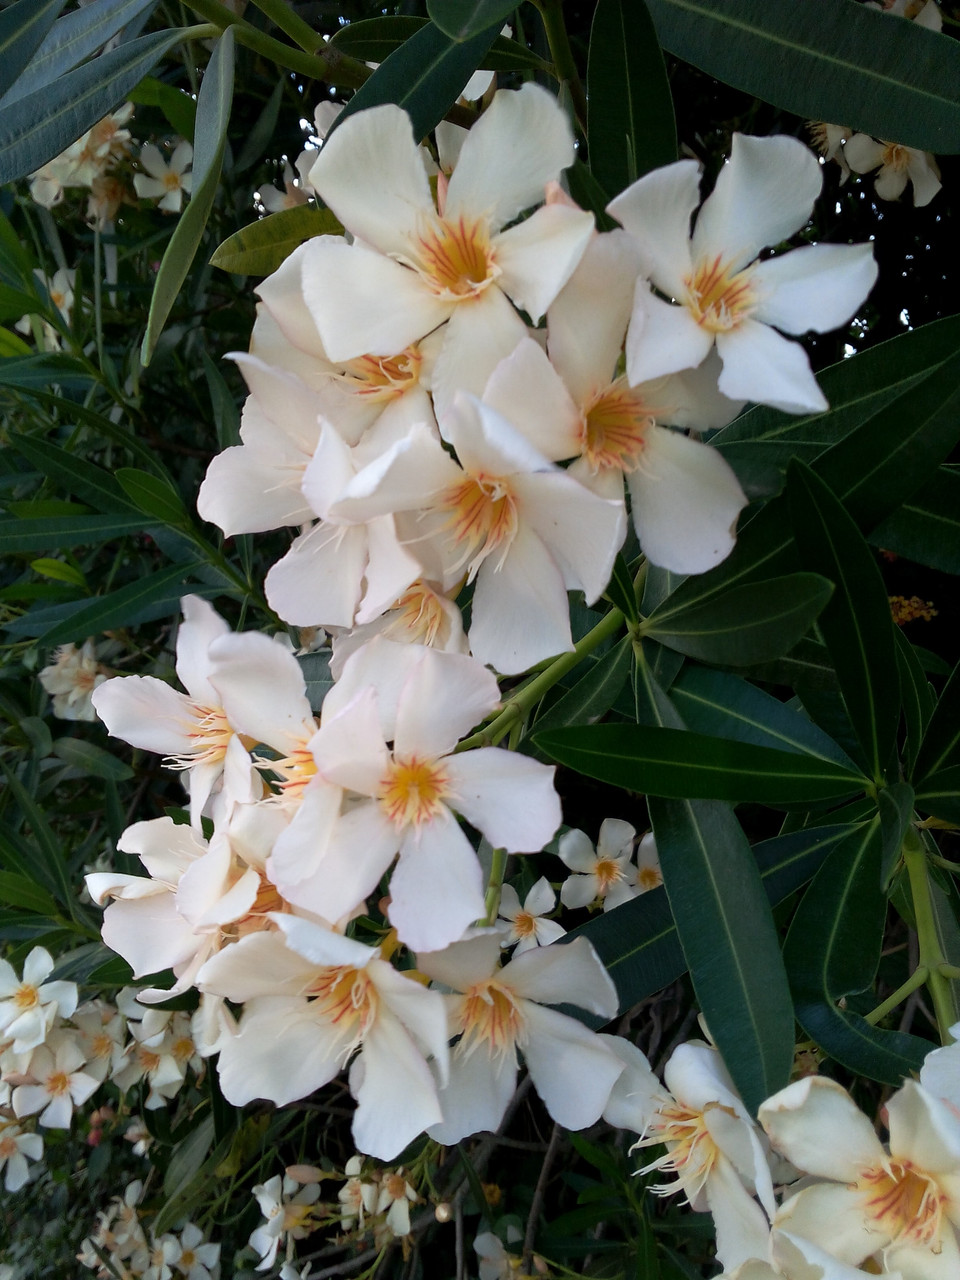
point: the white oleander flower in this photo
(896, 166)
(167, 183)
(29, 1005)
(16, 1148)
(940, 1073)
(71, 680)
(527, 925)
(605, 872)
(713, 291)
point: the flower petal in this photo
(819, 1128)
(656, 212)
(539, 255)
(760, 365)
(662, 338)
(508, 797)
(436, 891)
(572, 1069)
(818, 287)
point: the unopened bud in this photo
(443, 1212)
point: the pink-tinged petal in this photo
(526, 390)
(402, 479)
(863, 153)
(149, 933)
(299, 848)
(349, 750)
(465, 963)
(938, 1261)
(318, 582)
(281, 1053)
(237, 497)
(686, 501)
(146, 713)
(391, 569)
(924, 1130)
(395, 1092)
(572, 1069)
(200, 627)
(763, 194)
(508, 797)
(582, 531)
(477, 1095)
(363, 303)
(358, 851)
(662, 338)
(478, 335)
(321, 946)
(742, 1227)
(165, 848)
(104, 885)
(795, 1256)
(760, 365)
(261, 689)
(819, 1128)
(521, 142)
(486, 442)
(587, 321)
(637, 1093)
(571, 974)
(539, 255)
(520, 609)
(211, 900)
(258, 965)
(370, 173)
(833, 1218)
(818, 287)
(436, 891)
(282, 294)
(656, 212)
(443, 698)
(383, 664)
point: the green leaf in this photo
(11, 344)
(64, 531)
(620, 590)
(70, 40)
(47, 865)
(856, 624)
(939, 794)
(15, 303)
(926, 528)
(317, 678)
(679, 765)
(761, 442)
(588, 194)
(213, 116)
(916, 697)
(90, 760)
(259, 137)
(40, 125)
(44, 368)
(424, 76)
(824, 60)
(59, 571)
(178, 107)
(729, 941)
(156, 595)
(153, 496)
(895, 804)
(18, 891)
(463, 19)
(258, 249)
(75, 475)
(630, 123)
(721, 704)
(595, 693)
(872, 471)
(22, 28)
(940, 747)
(751, 623)
(833, 950)
(374, 39)
(651, 706)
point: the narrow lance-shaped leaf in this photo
(630, 122)
(64, 531)
(593, 694)
(374, 39)
(926, 528)
(856, 624)
(940, 748)
(40, 125)
(424, 76)
(916, 697)
(682, 765)
(832, 951)
(213, 116)
(729, 941)
(260, 248)
(462, 19)
(23, 26)
(755, 622)
(824, 60)
(895, 805)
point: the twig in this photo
(538, 1195)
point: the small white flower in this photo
(649, 875)
(59, 1085)
(605, 872)
(526, 925)
(74, 673)
(28, 1007)
(16, 1147)
(168, 182)
(288, 1210)
(897, 166)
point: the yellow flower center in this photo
(183, 1049)
(691, 1151)
(719, 297)
(347, 998)
(8, 1147)
(295, 771)
(608, 872)
(525, 924)
(171, 181)
(419, 616)
(58, 1083)
(482, 519)
(616, 426)
(649, 878)
(903, 1202)
(490, 1015)
(26, 996)
(895, 157)
(209, 734)
(413, 791)
(383, 377)
(455, 258)
(101, 1046)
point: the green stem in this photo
(530, 694)
(931, 956)
(491, 899)
(291, 24)
(330, 65)
(916, 979)
(551, 13)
